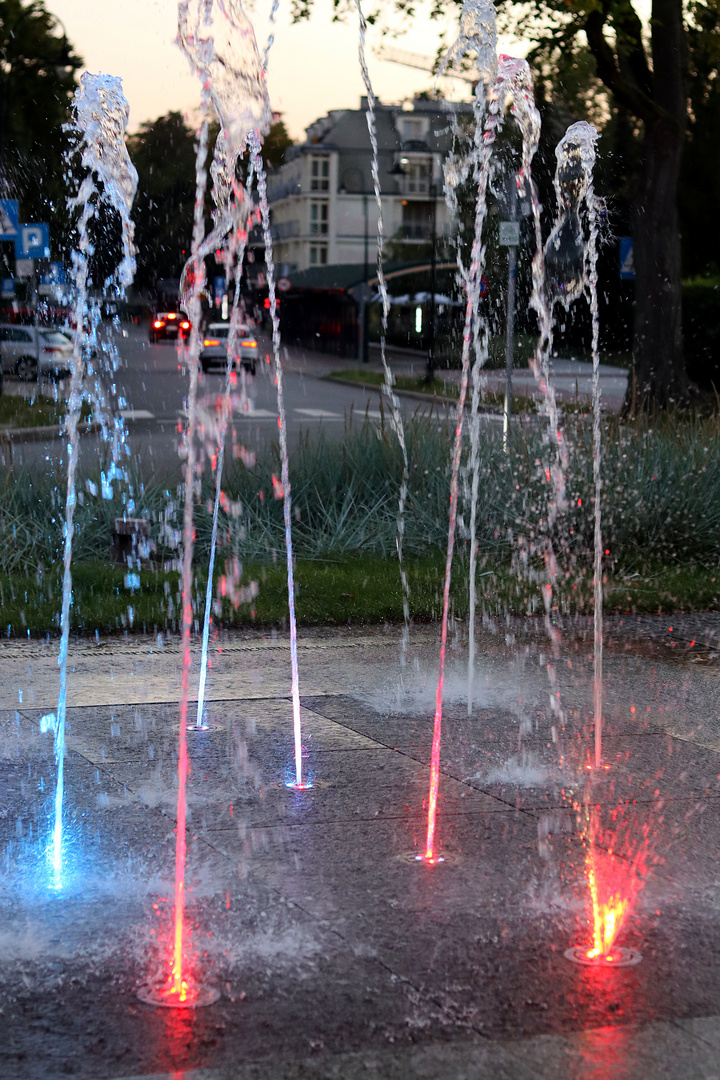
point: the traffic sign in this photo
(627, 259)
(483, 287)
(55, 276)
(284, 283)
(8, 288)
(509, 233)
(33, 242)
(9, 217)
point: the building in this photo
(322, 202)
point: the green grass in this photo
(351, 592)
(660, 505)
(20, 412)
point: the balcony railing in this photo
(285, 229)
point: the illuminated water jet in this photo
(189, 996)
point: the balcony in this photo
(285, 230)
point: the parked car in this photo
(169, 324)
(27, 350)
(215, 347)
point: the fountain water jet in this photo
(472, 279)
(224, 54)
(100, 118)
(299, 782)
(397, 422)
(233, 251)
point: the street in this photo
(152, 384)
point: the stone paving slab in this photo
(336, 954)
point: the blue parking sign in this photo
(33, 242)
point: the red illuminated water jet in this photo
(614, 882)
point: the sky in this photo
(313, 66)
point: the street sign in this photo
(9, 217)
(483, 287)
(55, 276)
(509, 233)
(33, 242)
(8, 288)
(627, 259)
(24, 268)
(284, 283)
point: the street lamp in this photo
(364, 310)
(399, 169)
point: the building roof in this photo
(342, 277)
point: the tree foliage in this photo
(37, 82)
(163, 152)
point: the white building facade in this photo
(322, 204)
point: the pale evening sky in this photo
(313, 66)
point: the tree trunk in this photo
(658, 377)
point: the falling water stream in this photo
(299, 782)
(396, 414)
(571, 267)
(223, 53)
(478, 31)
(233, 251)
(100, 115)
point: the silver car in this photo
(29, 350)
(213, 352)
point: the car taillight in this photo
(172, 316)
(210, 341)
(51, 349)
(249, 344)
(184, 325)
(158, 324)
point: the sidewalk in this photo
(572, 379)
(335, 952)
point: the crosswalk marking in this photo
(319, 414)
(137, 414)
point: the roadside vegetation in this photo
(661, 519)
(40, 411)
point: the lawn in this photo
(40, 411)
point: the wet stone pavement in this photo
(335, 952)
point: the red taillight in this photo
(184, 325)
(158, 325)
(51, 349)
(208, 342)
(172, 316)
(249, 344)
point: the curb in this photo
(414, 395)
(39, 434)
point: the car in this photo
(169, 324)
(213, 352)
(27, 350)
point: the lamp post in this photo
(364, 311)
(430, 367)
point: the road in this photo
(151, 386)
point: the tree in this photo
(37, 82)
(646, 71)
(163, 152)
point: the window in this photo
(320, 174)
(417, 176)
(319, 218)
(318, 255)
(412, 129)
